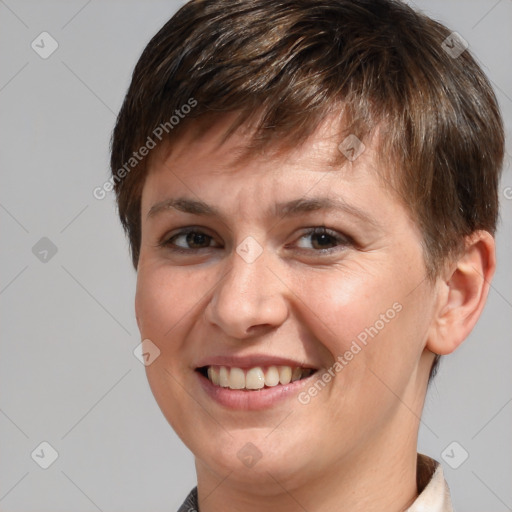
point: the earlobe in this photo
(462, 294)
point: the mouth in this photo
(255, 378)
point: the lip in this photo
(253, 400)
(250, 361)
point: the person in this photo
(296, 372)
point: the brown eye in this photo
(194, 239)
(324, 240)
(188, 240)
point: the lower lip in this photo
(263, 398)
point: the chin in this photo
(250, 461)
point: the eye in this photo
(326, 239)
(187, 240)
(193, 239)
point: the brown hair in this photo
(293, 62)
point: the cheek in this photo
(373, 329)
(345, 306)
(165, 297)
(370, 320)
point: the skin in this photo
(353, 446)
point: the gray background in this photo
(68, 374)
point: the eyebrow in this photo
(290, 208)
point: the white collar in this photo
(434, 495)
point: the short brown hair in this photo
(294, 62)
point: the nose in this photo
(250, 299)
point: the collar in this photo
(434, 495)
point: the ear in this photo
(137, 312)
(462, 292)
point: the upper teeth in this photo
(255, 378)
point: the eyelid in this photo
(342, 240)
(165, 241)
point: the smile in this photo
(253, 379)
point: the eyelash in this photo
(341, 240)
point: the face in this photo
(289, 304)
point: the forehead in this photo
(328, 148)
(201, 169)
(205, 172)
(201, 174)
